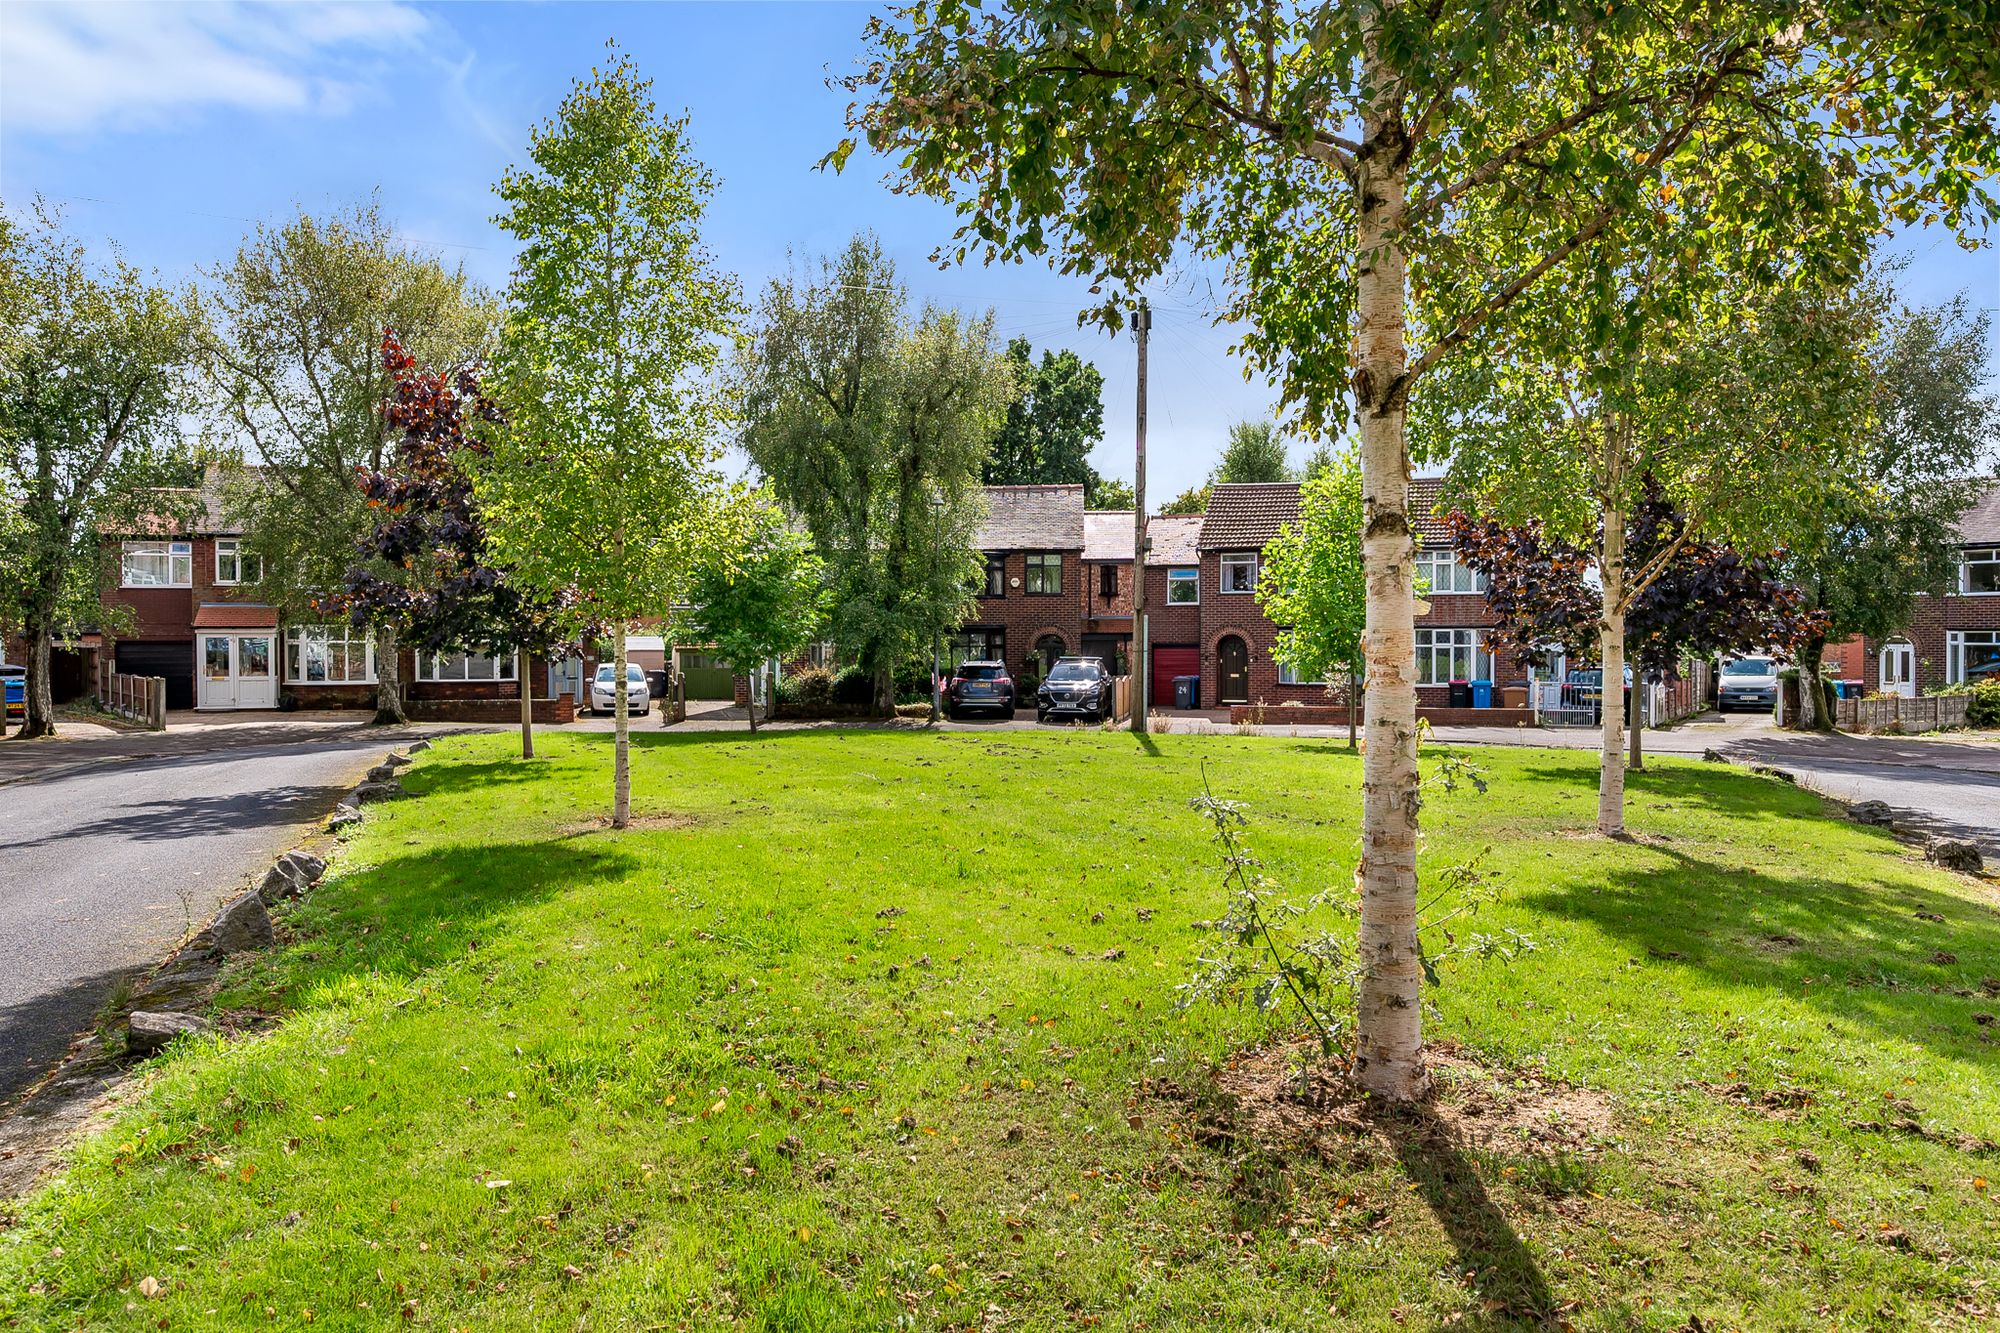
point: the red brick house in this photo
(195, 620)
(1031, 594)
(1949, 636)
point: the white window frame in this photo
(1978, 555)
(430, 667)
(1442, 569)
(1431, 644)
(1956, 641)
(300, 640)
(178, 556)
(1288, 675)
(1235, 562)
(1189, 576)
(239, 560)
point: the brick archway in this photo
(1035, 640)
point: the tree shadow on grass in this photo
(1511, 1286)
(1901, 958)
(411, 913)
(1715, 786)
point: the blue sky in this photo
(171, 129)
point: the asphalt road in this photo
(110, 848)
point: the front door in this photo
(1899, 670)
(1232, 671)
(566, 677)
(218, 671)
(237, 671)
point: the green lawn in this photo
(832, 1041)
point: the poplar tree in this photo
(603, 477)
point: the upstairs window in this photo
(1239, 571)
(235, 565)
(1183, 587)
(1979, 569)
(996, 577)
(1440, 568)
(157, 565)
(1044, 574)
(1107, 583)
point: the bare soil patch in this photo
(658, 819)
(1262, 1096)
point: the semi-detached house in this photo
(196, 621)
(1950, 638)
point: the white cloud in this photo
(69, 68)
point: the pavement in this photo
(113, 845)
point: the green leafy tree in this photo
(761, 596)
(94, 380)
(1335, 157)
(1055, 420)
(1109, 493)
(1254, 453)
(1738, 417)
(604, 478)
(1193, 500)
(296, 365)
(874, 430)
(1313, 584)
(1894, 537)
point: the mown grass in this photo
(832, 1042)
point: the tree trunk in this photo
(1389, 1059)
(1635, 723)
(1611, 639)
(1813, 714)
(621, 712)
(885, 690)
(750, 700)
(41, 718)
(388, 678)
(1353, 688)
(527, 708)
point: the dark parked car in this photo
(979, 685)
(1585, 689)
(1075, 687)
(14, 690)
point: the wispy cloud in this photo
(72, 68)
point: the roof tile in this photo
(1033, 518)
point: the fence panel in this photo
(1895, 713)
(143, 699)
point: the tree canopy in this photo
(1054, 421)
(1312, 582)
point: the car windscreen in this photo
(633, 672)
(1073, 671)
(970, 672)
(1748, 666)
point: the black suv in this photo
(1077, 687)
(979, 685)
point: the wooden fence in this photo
(1684, 696)
(1894, 713)
(140, 698)
(1121, 697)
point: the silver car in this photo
(604, 695)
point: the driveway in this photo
(113, 846)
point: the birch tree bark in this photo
(1611, 703)
(527, 708)
(621, 725)
(1389, 1053)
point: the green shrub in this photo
(809, 689)
(1984, 708)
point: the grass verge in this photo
(865, 1030)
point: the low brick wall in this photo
(1323, 715)
(548, 712)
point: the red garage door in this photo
(1168, 663)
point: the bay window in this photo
(328, 655)
(1966, 650)
(1445, 655)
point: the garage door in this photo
(175, 661)
(1168, 663)
(706, 678)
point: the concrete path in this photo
(112, 847)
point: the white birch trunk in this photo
(1389, 1048)
(621, 755)
(388, 677)
(1611, 640)
(527, 708)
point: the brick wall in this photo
(1025, 616)
(1935, 617)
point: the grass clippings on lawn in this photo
(876, 1029)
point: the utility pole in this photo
(1141, 667)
